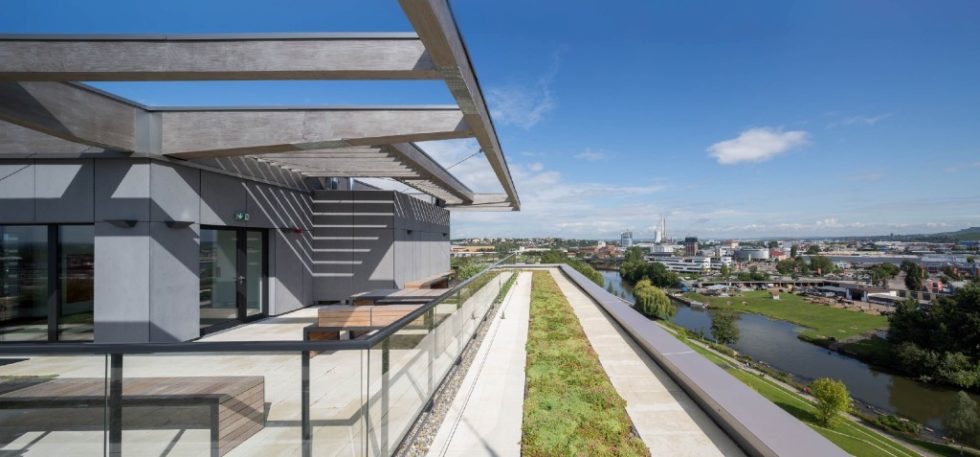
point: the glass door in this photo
(255, 273)
(233, 276)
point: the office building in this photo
(690, 246)
(626, 239)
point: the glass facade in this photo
(24, 283)
(76, 276)
(47, 280)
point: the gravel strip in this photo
(419, 438)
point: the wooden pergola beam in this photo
(429, 169)
(214, 57)
(434, 22)
(71, 112)
(80, 114)
(208, 132)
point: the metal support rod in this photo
(385, 387)
(115, 404)
(305, 402)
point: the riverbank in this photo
(855, 434)
(822, 322)
(777, 344)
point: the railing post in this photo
(305, 402)
(385, 386)
(115, 404)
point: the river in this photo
(775, 342)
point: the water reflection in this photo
(775, 343)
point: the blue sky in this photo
(733, 119)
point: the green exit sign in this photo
(241, 216)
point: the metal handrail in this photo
(241, 346)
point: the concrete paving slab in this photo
(668, 421)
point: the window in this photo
(47, 278)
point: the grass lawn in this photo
(823, 321)
(570, 407)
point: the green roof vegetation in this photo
(571, 407)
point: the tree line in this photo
(556, 256)
(633, 271)
(940, 342)
(817, 264)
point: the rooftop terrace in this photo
(258, 389)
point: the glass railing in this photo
(239, 398)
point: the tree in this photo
(556, 256)
(822, 265)
(793, 251)
(941, 341)
(882, 273)
(553, 256)
(634, 254)
(653, 302)
(832, 400)
(813, 249)
(962, 422)
(773, 244)
(914, 275)
(725, 271)
(724, 325)
(786, 266)
(656, 272)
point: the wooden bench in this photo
(396, 297)
(357, 320)
(439, 281)
(236, 404)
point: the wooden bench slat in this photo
(238, 401)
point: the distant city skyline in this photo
(767, 118)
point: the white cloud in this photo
(960, 167)
(590, 155)
(757, 145)
(536, 166)
(860, 120)
(524, 105)
(829, 222)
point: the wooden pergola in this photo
(44, 109)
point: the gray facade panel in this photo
(16, 191)
(174, 282)
(221, 197)
(290, 272)
(332, 245)
(263, 205)
(63, 191)
(176, 192)
(122, 189)
(375, 268)
(122, 283)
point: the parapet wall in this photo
(758, 426)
